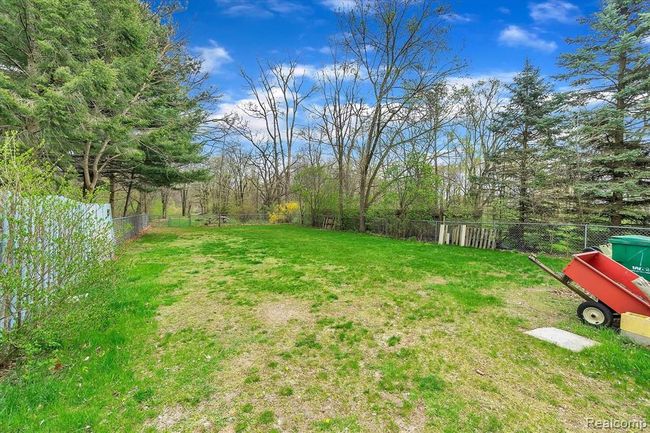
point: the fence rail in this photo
(549, 238)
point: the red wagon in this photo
(610, 289)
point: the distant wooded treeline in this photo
(387, 127)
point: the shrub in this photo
(284, 212)
(49, 246)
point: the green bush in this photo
(52, 242)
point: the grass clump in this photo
(266, 417)
(430, 384)
(308, 341)
(393, 340)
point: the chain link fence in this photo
(125, 228)
(215, 220)
(548, 238)
(47, 246)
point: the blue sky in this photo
(492, 36)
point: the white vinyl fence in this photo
(47, 244)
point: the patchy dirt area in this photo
(279, 313)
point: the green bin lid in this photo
(641, 241)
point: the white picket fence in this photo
(46, 245)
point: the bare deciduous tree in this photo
(398, 47)
(478, 143)
(278, 94)
(340, 117)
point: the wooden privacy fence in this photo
(47, 245)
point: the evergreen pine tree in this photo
(527, 122)
(610, 75)
(106, 86)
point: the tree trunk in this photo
(523, 207)
(164, 198)
(128, 195)
(616, 217)
(363, 205)
(617, 203)
(287, 176)
(111, 196)
(524, 201)
(143, 205)
(184, 201)
(362, 220)
(145, 201)
(340, 204)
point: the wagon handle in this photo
(561, 278)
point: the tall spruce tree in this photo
(44, 45)
(610, 74)
(528, 124)
(98, 83)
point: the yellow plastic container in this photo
(636, 327)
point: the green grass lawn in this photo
(291, 329)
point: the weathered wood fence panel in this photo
(465, 235)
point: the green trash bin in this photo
(633, 252)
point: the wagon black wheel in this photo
(592, 249)
(595, 314)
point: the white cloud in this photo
(325, 49)
(504, 10)
(213, 57)
(242, 107)
(300, 70)
(503, 76)
(315, 72)
(646, 40)
(285, 7)
(261, 8)
(239, 108)
(457, 18)
(554, 10)
(247, 10)
(339, 5)
(515, 36)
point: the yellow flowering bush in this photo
(284, 212)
